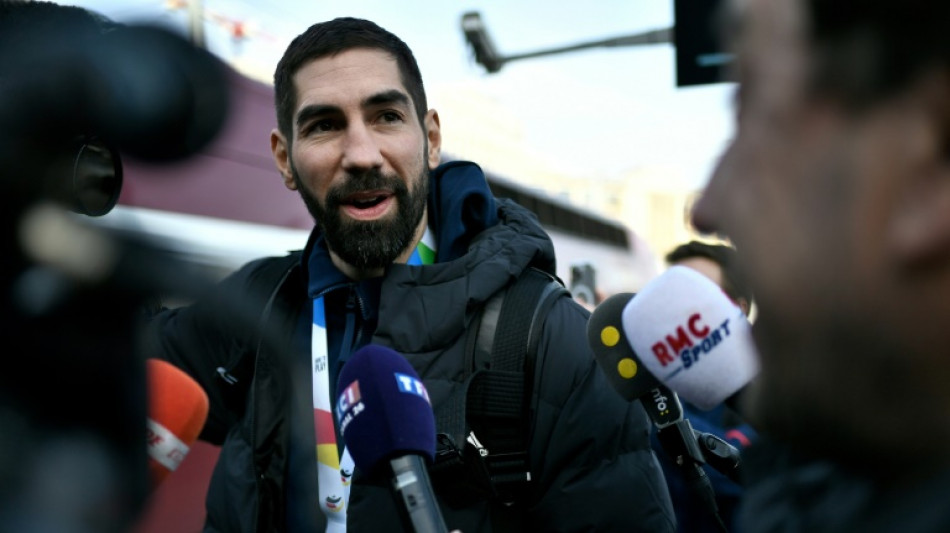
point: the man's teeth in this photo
(367, 203)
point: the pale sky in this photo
(598, 112)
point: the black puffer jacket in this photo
(591, 460)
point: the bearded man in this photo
(405, 253)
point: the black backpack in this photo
(484, 430)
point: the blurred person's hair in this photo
(334, 37)
(27, 25)
(22, 19)
(733, 282)
(868, 50)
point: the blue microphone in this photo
(385, 416)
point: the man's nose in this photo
(360, 148)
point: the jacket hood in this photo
(460, 207)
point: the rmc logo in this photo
(689, 341)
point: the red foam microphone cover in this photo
(177, 411)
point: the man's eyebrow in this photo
(318, 110)
(308, 112)
(386, 97)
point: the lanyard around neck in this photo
(334, 471)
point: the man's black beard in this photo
(375, 243)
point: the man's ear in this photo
(434, 135)
(281, 151)
(920, 227)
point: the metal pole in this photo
(660, 36)
(196, 22)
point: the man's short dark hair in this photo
(733, 282)
(329, 39)
(868, 50)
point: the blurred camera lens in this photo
(96, 178)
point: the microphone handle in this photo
(698, 482)
(680, 442)
(663, 407)
(411, 483)
(721, 455)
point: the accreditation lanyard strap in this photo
(334, 471)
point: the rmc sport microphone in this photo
(609, 335)
(622, 366)
(691, 337)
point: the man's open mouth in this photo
(365, 202)
(368, 204)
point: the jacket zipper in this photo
(351, 334)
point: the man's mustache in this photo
(358, 183)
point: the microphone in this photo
(78, 89)
(385, 417)
(177, 411)
(628, 376)
(624, 371)
(691, 337)
(141, 88)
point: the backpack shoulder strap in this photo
(484, 429)
(500, 400)
(520, 310)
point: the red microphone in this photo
(177, 410)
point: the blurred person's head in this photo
(37, 19)
(717, 262)
(836, 192)
(356, 140)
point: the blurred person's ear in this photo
(920, 226)
(744, 305)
